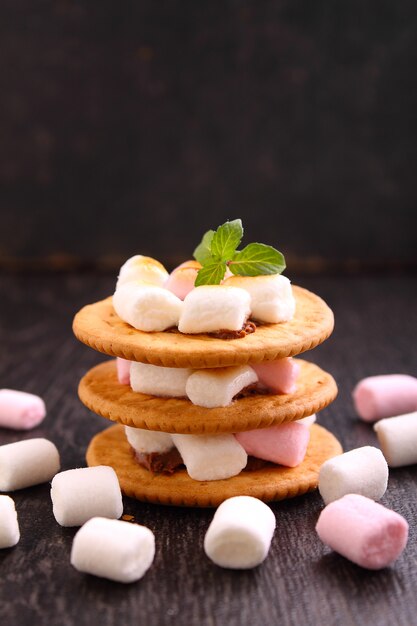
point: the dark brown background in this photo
(136, 126)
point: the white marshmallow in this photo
(218, 386)
(159, 381)
(9, 527)
(27, 463)
(146, 307)
(113, 549)
(80, 494)
(363, 471)
(240, 533)
(211, 457)
(210, 308)
(272, 300)
(142, 268)
(308, 421)
(397, 437)
(148, 441)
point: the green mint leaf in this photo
(202, 253)
(257, 259)
(211, 274)
(226, 239)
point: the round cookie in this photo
(98, 326)
(273, 482)
(101, 392)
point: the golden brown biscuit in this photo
(101, 392)
(272, 482)
(98, 326)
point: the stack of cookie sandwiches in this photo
(208, 399)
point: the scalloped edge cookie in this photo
(273, 482)
(98, 326)
(100, 391)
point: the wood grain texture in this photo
(301, 582)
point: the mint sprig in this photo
(256, 259)
(218, 250)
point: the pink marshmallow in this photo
(181, 280)
(285, 444)
(363, 531)
(377, 397)
(278, 376)
(123, 371)
(20, 410)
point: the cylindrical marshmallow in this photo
(397, 437)
(240, 533)
(272, 299)
(80, 494)
(20, 410)
(9, 527)
(123, 371)
(308, 421)
(182, 278)
(142, 268)
(211, 457)
(210, 308)
(27, 463)
(377, 397)
(363, 531)
(278, 376)
(147, 307)
(363, 471)
(218, 386)
(285, 444)
(159, 381)
(113, 549)
(148, 441)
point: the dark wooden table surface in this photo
(301, 582)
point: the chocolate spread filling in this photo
(247, 328)
(160, 462)
(168, 462)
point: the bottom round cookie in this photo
(273, 482)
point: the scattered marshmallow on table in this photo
(397, 437)
(278, 376)
(9, 526)
(363, 531)
(159, 381)
(211, 457)
(27, 463)
(272, 300)
(148, 441)
(377, 397)
(80, 494)
(20, 410)
(210, 308)
(363, 471)
(147, 307)
(182, 278)
(123, 371)
(217, 387)
(113, 549)
(285, 444)
(240, 533)
(142, 268)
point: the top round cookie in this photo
(98, 326)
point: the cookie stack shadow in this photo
(98, 326)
